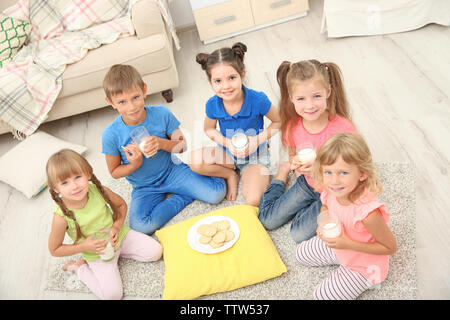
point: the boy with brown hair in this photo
(154, 177)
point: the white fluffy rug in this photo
(146, 280)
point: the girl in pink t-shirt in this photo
(313, 108)
(345, 172)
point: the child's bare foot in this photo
(73, 266)
(232, 187)
(284, 168)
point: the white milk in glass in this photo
(108, 252)
(331, 230)
(329, 224)
(306, 155)
(141, 147)
(140, 136)
(239, 142)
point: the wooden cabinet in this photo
(220, 19)
(269, 10)
(223, 18)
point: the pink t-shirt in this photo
(300, 135)
(372, 266)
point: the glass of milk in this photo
(140, 136)
(306, 153)
(329, 224)
(239, 141)
(108, 252)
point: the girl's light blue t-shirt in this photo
(159, 122)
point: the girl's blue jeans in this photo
(300, 203)
(150, 208)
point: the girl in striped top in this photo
(345, 173)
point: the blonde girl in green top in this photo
(85, 207)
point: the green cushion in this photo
(13, 34)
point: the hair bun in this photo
(239, 49)
(201, 59)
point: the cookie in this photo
(204, 239)
(215, 245)
(219, 237)
(229, 235)
(223, 225)
(215, 224)
(207, 230)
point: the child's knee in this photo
(217, 196)
(217, 192)
(196, 167)
(299, 237)
(268, 216)
(195, 160)
(300, 233)
(154, 251)
(265, 221)
(252, 199)
(140, 226)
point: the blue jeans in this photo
(150, 208)
(300, 203)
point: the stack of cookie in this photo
(215, 234)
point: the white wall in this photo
(181, 13)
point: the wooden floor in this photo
(398, 86)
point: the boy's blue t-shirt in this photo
(249, 120)
(159, 122)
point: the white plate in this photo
(193, 235)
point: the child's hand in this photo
(295, 162)
(295, 166)
(306, 169)
(253, 145)
(301, 168)
(93, 245)
(230, 147)
(133, 154)
(114, 235)
(152, 144)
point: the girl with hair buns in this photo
(313, 107)
(238, 110)
(84, 208)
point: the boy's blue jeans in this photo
(149, 208)
(300, 203)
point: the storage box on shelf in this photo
(220, 19)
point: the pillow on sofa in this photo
(190, 274)
(13, 34)
(23, 167)
(51, 18)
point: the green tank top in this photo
(95, 215)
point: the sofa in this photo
(150, 50)
(344, 18)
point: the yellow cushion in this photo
(190, 274)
